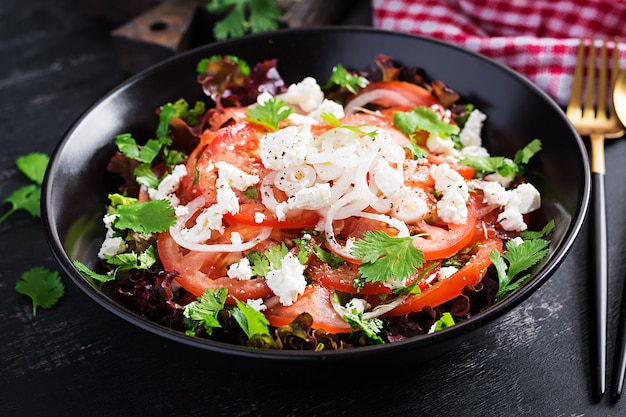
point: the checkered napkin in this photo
(537, 38)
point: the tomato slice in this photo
(399, 93)
(199, 271)
(316, 302)
(342, 279)
(446, 240)
(440, 292)
(247, 212)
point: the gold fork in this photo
(599, 124)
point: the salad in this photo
(361, 211)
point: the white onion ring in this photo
(264, 233)
(369, 96)
(377, 311)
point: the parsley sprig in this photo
(270, 113)
(384, 257)
(519, 257)
(343, 78)
(43, 286)
(501, 165)
(28, 197)
(423, 118)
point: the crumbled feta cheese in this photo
(311, 198)
(470, 135)
(168, 185)
(521, 200)
(437, 144)
(527, 198)
(111, 245)
(327, 106)
(208, 220)
(259, 217)
(307, 94)
(511, 219)
(475, 151)
(236, 177)
(288, 282)
(357, 305)
(388, 180)
(494, 193)
(257, 304)
(281, 210)
(235, 238)
(226, 197)
(286, 147)
(452, 208)
(517, 240)
(241, 270)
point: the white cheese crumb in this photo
(388, 179)
(209, 219)
(111, 245)
(226, 197)
(307, 94)
(311, 198)
(286, 147)
(168, 185)
(240, 270)
(470, 135)
(235, 177)
(288, 282)
(447, 272)
(257, 304)
(281, 210)
(455, 193)
(439, 145)
(259, 217)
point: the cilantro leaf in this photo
(132, 260)
(145, 176)
(354, 317)
(203, 64)
(42, 285)
(343, 78)
(270, 113)
(85, 270)
(523, 155)
(385, 257)
(332, 120)
(204, 310)
(28, 197)
(146, 217)
(33, 166)
(423, 118)
(251, 321)
(25, 198)
(517, 258)
(444, 322)
(263, 16)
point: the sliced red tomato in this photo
(342, 279)
(199, 270)
(443, 241)
(316, 302)
(440, 292)
(248, 211)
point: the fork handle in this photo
(619, 363)
(599, 284)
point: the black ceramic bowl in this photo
(76, 187)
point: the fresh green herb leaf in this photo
(43, 286)
(343, 78)
(263, 16)
(332, 120)
(423, 118)
(251, 321)
(146, 217)
(354, 317)
(517, 258)
(28, 197)
(270, 113)
(523, 155)
(384, 257)
(25, 198)
(490, 164)
(33, 166)
(328, 257)
(191, 116)
(444, 322)
(146, 177)
(131, 260)
(204, 311)
(203, 65)
(85, 270)
(251, 192)
(461, 120)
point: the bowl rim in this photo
(492, 313)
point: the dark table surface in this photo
(78, 359)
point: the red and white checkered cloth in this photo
(537, 38)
